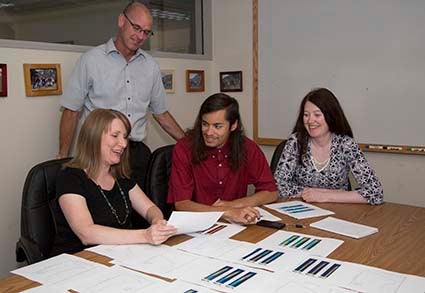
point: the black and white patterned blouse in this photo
(345, 155)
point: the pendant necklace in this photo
(113, 210)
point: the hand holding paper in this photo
(189, 222)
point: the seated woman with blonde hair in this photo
(321, 152)
(95, 196)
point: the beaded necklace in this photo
(113, 210)
(320, 166)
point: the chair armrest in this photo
(26, 250)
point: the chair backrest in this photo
(140, 155)
(37, 224)
(276, 155)
(158, 177)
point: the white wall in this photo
(29, 126)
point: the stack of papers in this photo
(345, 228)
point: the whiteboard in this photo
(369, 53)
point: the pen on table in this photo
(295, 225)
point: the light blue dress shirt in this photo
(102, 78)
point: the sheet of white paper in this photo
(299, 209)
(241, 252)
(210, 246)
(221, 230)
(225, 276)
(308, 244)
(412, 284)
(128, 252)
(58, 269)
(189, 222)
(163, 262)
(290, 282)
(185, 287)
(117, 279)
(357, 277)
(262, 257)
(46, 289)
(343, 227)
(265, 215)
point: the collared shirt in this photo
(102, 78)
(212, 178)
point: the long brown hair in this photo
(215, 103)
(326, 101)
(88, 149)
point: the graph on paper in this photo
(299, 210)
(262, 256)
(229, 276)
(317, 268)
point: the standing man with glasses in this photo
(119, 75)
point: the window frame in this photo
(207, 41)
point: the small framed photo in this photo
(3, 80)
(231, 81)
(167, 76)
(195, 81)
(42, 79)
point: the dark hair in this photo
(215, 103)
(326, 101)
(88, 149)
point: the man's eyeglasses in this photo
(137, 27)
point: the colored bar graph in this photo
(330, 270)
(217, 273)
(273, 257)
(301, 268)
(242, 279)
(229, 276)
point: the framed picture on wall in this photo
(195, 81)
(42, 79)
(3, 80)
(231, 81)
(167, 76)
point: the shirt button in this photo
(129, 98)
(213, 157)
(129, 115)
(225, 156)
(219, 151)
(128, 81)
(220, 165)
(220, 182)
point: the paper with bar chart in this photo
(298, 209)
(225, 277)
(308, 244)
(221, 230)
(253, 255)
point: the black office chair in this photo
(142, 156)
(37, 225)
(158, 177)
(276, 155)
(140, 160)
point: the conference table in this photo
(398, 246)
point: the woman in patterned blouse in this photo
(321, 152)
